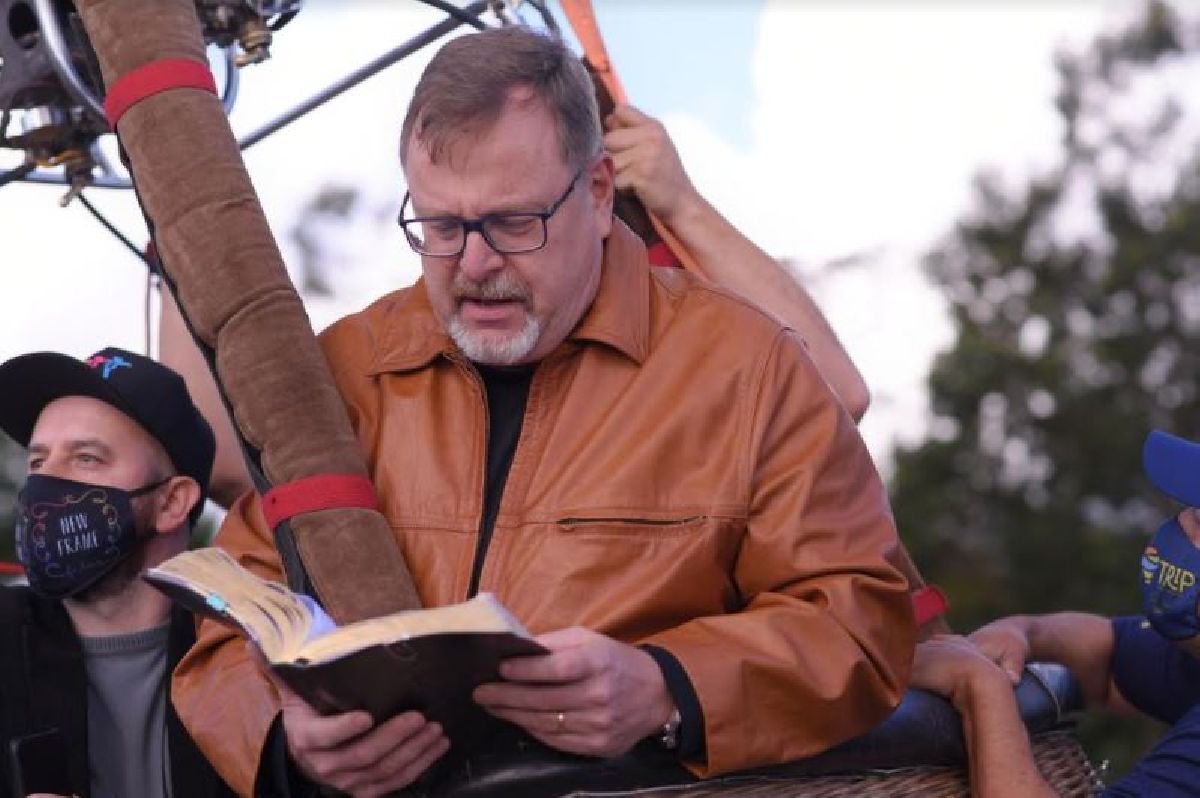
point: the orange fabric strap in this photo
(582, 19)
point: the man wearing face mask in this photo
(1150, 663)
(118, 466)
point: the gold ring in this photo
(561, 720)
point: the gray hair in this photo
(466, 85)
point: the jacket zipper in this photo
(480, 547)
(579, 521)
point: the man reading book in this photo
(118, 466)
(646, 470)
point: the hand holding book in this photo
(370, 706)
(352, 753)
(425, 660)
(589, 695)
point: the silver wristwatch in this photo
(668, 736)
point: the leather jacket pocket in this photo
(620, 525)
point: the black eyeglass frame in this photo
(478, 224)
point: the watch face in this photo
(670, 731)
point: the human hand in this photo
(590, 695)
(647, 162)
(952, 666)
(1005, 642)
(350, 753)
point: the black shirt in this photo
(507, 389)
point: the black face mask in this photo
(70, 534)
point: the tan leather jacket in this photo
(683, 477)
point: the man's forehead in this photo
(504, 160)
(441, 141)
(470, 197)
(71, 419)
(480, 187)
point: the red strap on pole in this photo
(322, 492)
(152, 78)
(929, 602)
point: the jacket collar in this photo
(618, 317)
(620, 313)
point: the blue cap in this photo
(1172, 465)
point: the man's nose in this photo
(478, 259)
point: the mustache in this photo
(497, 288)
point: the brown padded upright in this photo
(229, 279)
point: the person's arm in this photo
(1000, 761)
(1080, 641)
(647, 163)
(176, 349)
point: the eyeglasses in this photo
(507, 233)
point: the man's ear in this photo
(173, 502)
(1189, 519)
(602, 185)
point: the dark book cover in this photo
(433, 674)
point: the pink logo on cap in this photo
(108, 364)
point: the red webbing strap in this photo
(929, 602)
(152, 78)
(11, 569)
(322, 492)
(659, 254)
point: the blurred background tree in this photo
(1077, 305)
(12, 471)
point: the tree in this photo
(12, 472)
(1028, 494)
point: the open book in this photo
(427, 660)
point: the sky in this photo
(829, 132)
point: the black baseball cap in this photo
(145, 390)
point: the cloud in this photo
(870, 121)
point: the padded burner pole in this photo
(227, 275)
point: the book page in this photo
(292, 629)
(481, 614)
(270, 614)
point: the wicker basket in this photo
(1059, 756)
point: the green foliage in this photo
(206, 528)
(12, 471)
(1028, 496)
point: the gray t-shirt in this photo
(126, 712)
